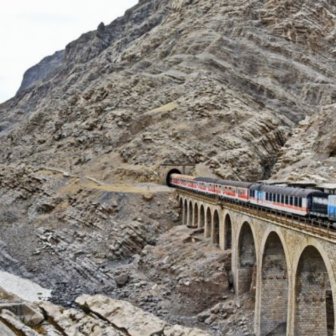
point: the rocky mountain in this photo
(244, 90)
(310, 153)
(210, 82)
(41, 70)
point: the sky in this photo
(33, 29)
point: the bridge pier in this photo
(289, 271)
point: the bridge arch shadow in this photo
(202, 217)
(196, 214)
(227, 232)
(208, 222)
(274, 288)
(185, 212)
(190, 214)
(246, 272)
(313, 294)
(215, 228)
(181, 209)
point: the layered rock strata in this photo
(195, 81)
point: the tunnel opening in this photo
(247, 261)
(171, 172)
(274, 284)
(215, 231)
(227, 233)
(314, 300)
(208, 221)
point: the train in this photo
(309, 203)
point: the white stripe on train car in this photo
(280, 206)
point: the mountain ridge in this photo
(276, 57)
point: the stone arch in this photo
(196, 215)
(275, 285)
(313, 294)
(247, 260)
(171, 172)
(215, 228)
(208, 221)
(227, 232)
(202, 216)
(190, 214)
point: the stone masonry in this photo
(292, 272)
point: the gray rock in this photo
(122, 279)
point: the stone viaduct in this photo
(289, 266)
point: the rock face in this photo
(185, 279)
(211, 82)
(41, 70)
(310, 153)
(98, 316)
(80, 227)
(125, 316)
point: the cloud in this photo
(31, 30)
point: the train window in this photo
(286, 200)
(300, 202)
(282, 199)
(291, 200)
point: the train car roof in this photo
(186, 177)
(234, 183)
(206, 179)
(224, 182)
(297, 192)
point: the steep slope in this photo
(310, 154)
(41, 70)
(211, 82)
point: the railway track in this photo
(311, 226)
